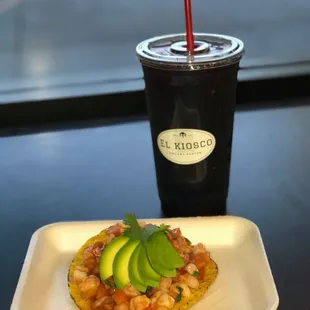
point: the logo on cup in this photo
(185, 146)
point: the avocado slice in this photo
(163, 257)
(108, 256)
(169, 257)
(121, 263)
(148, 275)
(134, 275)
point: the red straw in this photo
(189, 26)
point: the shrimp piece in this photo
(185, 257)
(89, 259)
(96, 269)
(155, 297)
(191, 268)
(123, 306)
(174, 291)
(165, 300)
(97, 249)
(79, 276)
(131, 291)
(190, 281)
(105, 302)
(81, 268)
(176, 232)
(180, 244)
(116, 230)
(199, 248)
(173, 234)
(139, 303)
(164, 284)
(122, 225)
(184, 246)
(88, 287)
(186, 249)
(88, 252)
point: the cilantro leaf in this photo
(135, 232)
(109, 283)
(163, 227)
(196, 274)
(151, 229)
(178, 298)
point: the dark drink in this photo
(191, 104)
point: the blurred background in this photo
(88, 46)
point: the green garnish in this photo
(109, 283)
(149, 288)
(196, 274)
(178, 298)
(135, 232)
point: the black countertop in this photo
(101, 172)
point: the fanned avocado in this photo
(148, 275)
(138, 256)
(134, 274)
(108, 256)
(163, 257)
(121, 263)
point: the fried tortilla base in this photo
(210, 276)
(184, 304)
(82, 303)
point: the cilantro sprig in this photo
(109, 283)
(179, 296)
(136, 232)
(196, 274)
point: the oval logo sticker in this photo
(185, 146)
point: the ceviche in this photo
(140, 266)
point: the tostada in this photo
(138, 266)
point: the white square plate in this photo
(244, 281)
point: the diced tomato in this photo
(119, 297)
(204, 256)
(202, 274)
(201, 260)
(101, 292)
(199, 263)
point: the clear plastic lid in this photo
(169, 52)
